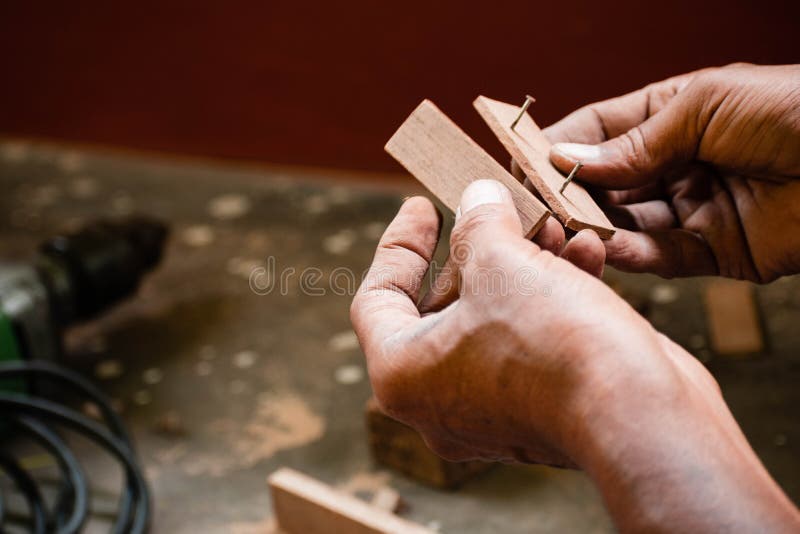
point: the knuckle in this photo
(637, 152)
(709, 82)
(738, 65)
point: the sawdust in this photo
(108, 369)
(83, 188)
(245, 359)
(199, 235)
(45, 195)
(343, 341)
(664, 294)
(172, 454)
(229, 206)
(152, 376)
(316, 204)
(365, 482)
(373, 230)
(340, 242)
(70, 161)
(278, 422)
(203, 368)
(243, 266)
(142, 397)
(349, 374)
(122, 203)
(14, 151)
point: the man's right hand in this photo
(699, 172)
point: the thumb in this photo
(640, 155)
(485, 215)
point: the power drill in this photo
(75, 277)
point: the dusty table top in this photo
(221, 385)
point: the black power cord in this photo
(28, 413)
(29, 490)
(74, 495)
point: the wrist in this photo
(667, 454)
(626, 387)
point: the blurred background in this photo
(326, 83)
(253, 132)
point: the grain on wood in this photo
(445, 159)
(732, 317)
(304, 505)
(529, 147)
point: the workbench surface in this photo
(221, 385)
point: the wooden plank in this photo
(732, 316)
(441, 156)
(387, 499)
(303, 505)
(402, 448)
(526, 143)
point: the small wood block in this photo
(526, 143)
(400, 447)
(441, 156)
(733, 323)
(387, 499)
(304, 505)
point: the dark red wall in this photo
(326, 83)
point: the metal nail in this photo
(528, 101)
(571, 176)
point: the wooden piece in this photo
(303, 505)
(401, 448)
(387, 499)
(526, 143)
(733, 323)
(441, 156)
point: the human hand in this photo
(538, 361)
(703, 170)
(511, 370)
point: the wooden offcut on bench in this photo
(304, 505)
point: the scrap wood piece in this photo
(400, 447)
(526, 143)
(304, 505)
(733, 322)
(388, 499)
(445, 159)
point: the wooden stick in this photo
(530, 148)
(441, 156)
(303, 505)
(733, 323)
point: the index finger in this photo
(385, 304)
(601, 121)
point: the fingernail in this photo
(458, 212)
(578, 152)
(482, 192)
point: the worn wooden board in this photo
(732, 317)
(441, 156)
(304, 505)
(387, 499)
(526, 143)
(401, 448)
